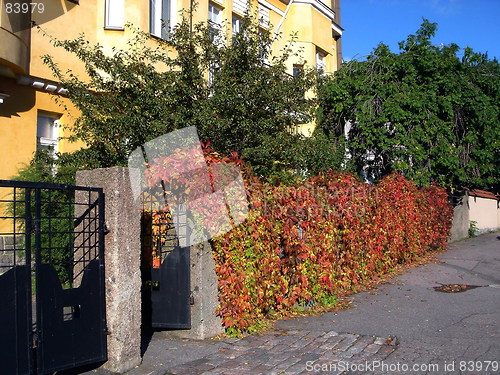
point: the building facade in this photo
(31, 118)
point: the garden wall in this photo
(484, 210)
(478, 206)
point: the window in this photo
(236, 25)
(47, 133)
(297, 69)
(211, 72)
(320, 61)
(161, 18)
(214, 14)
(215, 20)
(114, 18)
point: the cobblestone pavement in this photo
(290, 352)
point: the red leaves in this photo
(303, 256)
(306, 242)
(205, 145)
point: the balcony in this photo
(15, 36)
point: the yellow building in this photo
(31, 119)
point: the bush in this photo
(472, 229)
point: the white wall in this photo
(485, 212)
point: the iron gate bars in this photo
(51, 277)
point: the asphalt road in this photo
(433, 327)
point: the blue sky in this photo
(473, 23)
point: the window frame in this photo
(321, 60)
(239, 20)
(108, 10)
(215, 25)
(52, 142)
(156, 24)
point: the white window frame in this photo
(215, 21)
(236, 24)
(157, 15)
(53, 140)
(320, 61)
(114, 18)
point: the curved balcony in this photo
(15, 45)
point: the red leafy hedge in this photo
(305, 243)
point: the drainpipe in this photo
(336, 9)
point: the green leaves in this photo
(424, 112)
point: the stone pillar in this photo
(460, 224)
(204, 289)
(122, 262)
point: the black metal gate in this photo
(52, 310)
(165, 268)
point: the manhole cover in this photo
(454, 288)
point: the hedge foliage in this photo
(305, 243)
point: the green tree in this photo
(424, 112)
(56, 225)
(249, 105)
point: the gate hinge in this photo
(105, 229)
(191, 300)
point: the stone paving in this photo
(290, 352)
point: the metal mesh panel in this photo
(158, 234)
(12, 224)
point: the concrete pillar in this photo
(204, 290)
(460, 224)
(122, 262)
